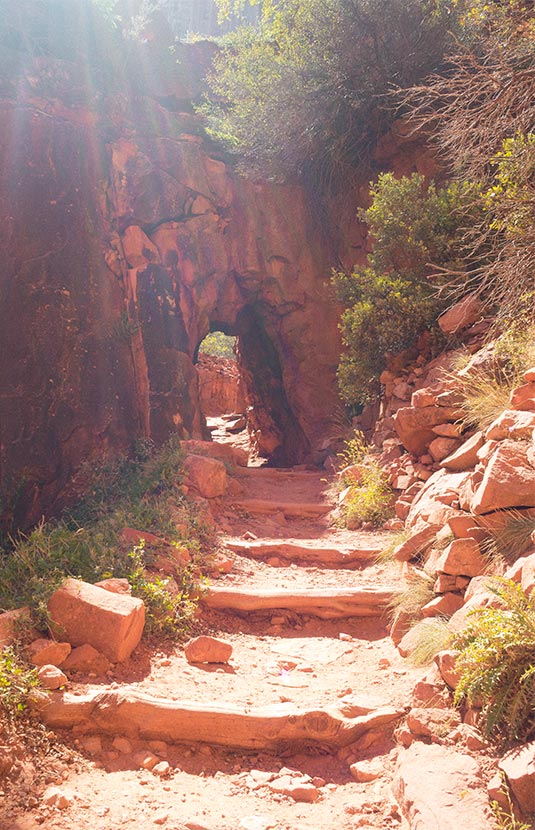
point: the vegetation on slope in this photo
(303, 93)
(392, 301)
(143, 493)
(308, 93)
(496, 663)
(480, 112)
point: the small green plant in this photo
(429, 637)
(496, 663)
(17, 679)
(505, 815)
(169, 606)
(369, 498)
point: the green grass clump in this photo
(386, 555)
(507, 544)
(370, 497)
(409, 602)
(497, 663)
(430, 636)
(485, 395)
(485, 390)
(143, 492)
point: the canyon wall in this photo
(126, 237)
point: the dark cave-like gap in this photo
(274, 431)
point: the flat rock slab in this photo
(147, 718)
(306, 555)
(290, 510)
(326, 603)
(438, 788)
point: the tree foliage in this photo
(391, 302)
(303, 93)
(480, 111)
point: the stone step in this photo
(290, 510)
(278, 473)
(306, 554)
(325, 603)
(135, 715)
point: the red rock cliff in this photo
(124, 238)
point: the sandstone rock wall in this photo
(220, 388)
(124, 238)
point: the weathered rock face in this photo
(220, 388)
(124, 239)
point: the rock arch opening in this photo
(241, 373)
(221, 391)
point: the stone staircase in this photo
(295, 730)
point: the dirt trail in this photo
(281, 658)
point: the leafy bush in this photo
(369, 501)
(218, 344)
(496, 663)
(17, 679)
(392, 301)
(487, 136)
(143, 493)
(302, 93)
(370, 497)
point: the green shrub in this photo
(301, 93)
(218, 344)
(496, 663)
(143, 493)
(370, 497)
(369, 501)
(17, 679)
(391, 302)
(488, 138)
